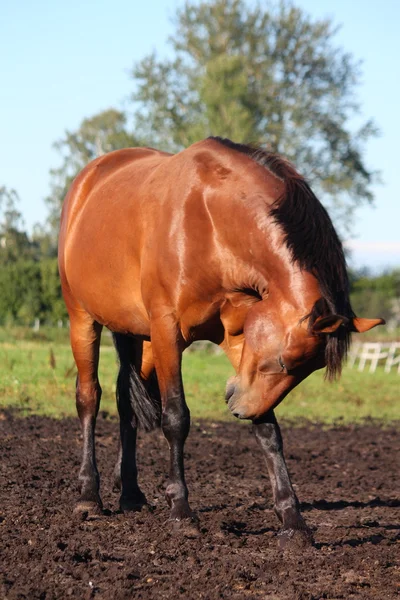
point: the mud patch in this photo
(345, 477)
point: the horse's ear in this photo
(328, 324)
(361, 325)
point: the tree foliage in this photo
(14, 241)
(20, 291)
(29, 282)
(29, 290)
(272, 76)
(377, 295)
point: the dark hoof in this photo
(88, 508)
(181, 511)
(133, 504)
(184, 521)
(295, 539)
(188, 527)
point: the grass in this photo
(39, 377)
(61, 335)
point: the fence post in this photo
(392, 359)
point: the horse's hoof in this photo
(88, 508)
(188, 527)
(135, 504)
(184, 521)
(295, 539)
(181, 510)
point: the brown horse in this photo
(222, 242)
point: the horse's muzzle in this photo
(231, 398)
(230, 390)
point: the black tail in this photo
(141, 398)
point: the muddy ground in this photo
(346, 478)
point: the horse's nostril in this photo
(236, 414)
(230, 390)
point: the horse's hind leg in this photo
(85, 342)
(125, 472)
(286, 505)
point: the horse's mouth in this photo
(230, 390)
(235, 410)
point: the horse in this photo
(222, 242)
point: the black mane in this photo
(314, 245)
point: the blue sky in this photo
(63, 61)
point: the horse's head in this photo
(278, 353)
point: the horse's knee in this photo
(175, 420)
(88, 397)
(269, 438)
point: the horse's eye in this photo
(281, 364)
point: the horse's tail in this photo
(139, 400)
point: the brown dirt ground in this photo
(346, 478)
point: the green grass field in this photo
(39, 377)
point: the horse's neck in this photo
(294, 294)
(271, 271)
(257, 257)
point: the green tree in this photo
(20, 292)
(95, 136)
(45, 239)
(30, 289)
(53, 306)
(271, 76)
(375, 294)
(14, 241)
(29, 282)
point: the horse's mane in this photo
(313, 243)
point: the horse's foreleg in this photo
(286, 505)
(85, 341)
(175, 425)
(175, 420)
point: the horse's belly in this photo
(107, 285)
(126, 316)
(122, 313)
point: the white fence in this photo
(373, 353)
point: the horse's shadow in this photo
(240, 528)
(354, 542)
(342, 504)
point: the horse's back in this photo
(96, 173)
